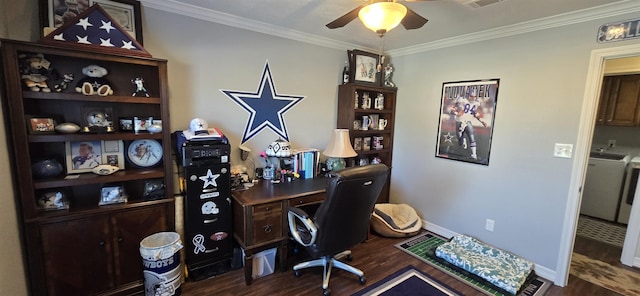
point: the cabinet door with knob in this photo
(128, 229)
(87, 256)
(77, 256)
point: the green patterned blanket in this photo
(501, 268)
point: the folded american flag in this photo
(95, 28)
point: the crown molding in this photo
(570, 18)
(243, 23)
(574, 17)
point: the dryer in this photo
(603, 185)
(629, 193)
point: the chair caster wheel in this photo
(296, 273)
(326, 292)
(362, 280)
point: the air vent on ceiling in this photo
(479, 3)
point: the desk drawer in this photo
(306, 200)
(274, 208)
(267, 228)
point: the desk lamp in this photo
(339, 148)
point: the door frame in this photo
(578, 172)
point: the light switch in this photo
(563, 150)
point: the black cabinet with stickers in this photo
(208, 222)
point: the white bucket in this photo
(161, 264)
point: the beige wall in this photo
(18, 20)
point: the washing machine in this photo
(603, 185)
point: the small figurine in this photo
(35, 71)
(139, 82)
(387, 76)
(62, 85)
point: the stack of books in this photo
(305, 162)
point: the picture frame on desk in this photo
(363, 66)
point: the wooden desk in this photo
(260, 215)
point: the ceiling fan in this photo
(410, 21)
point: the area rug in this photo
(600, 273)
(602, 231)
(422, 245)
(408, 281)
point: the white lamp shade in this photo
(381, 17)
(340, 145)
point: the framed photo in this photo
(112, 195)
(53, 200)
(467, 112)
(363, 66)
(126, 124)
(126, 13)
(55, 13)
(113, 153)
(82, 156)
(41, 124)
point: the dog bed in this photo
(395, 220)
(501, 268)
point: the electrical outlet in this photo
(612, 143)
(489, 225)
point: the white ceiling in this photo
(305, 20)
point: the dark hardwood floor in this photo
(377, 257)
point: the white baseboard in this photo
(544, 272)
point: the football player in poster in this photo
(465, 111)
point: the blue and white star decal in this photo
(265, 106)
(209, 179)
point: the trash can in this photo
(161, 264)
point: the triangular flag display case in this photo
(82, 229)
(95, 29)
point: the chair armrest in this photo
(298, 219)
(299, 212)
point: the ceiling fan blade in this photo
(413, 20)
(345, 19)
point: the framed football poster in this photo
(467, 111)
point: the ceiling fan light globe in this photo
(382, 16)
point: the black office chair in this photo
(341, 221)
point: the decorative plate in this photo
(144, 153)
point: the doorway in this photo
(583, 144)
